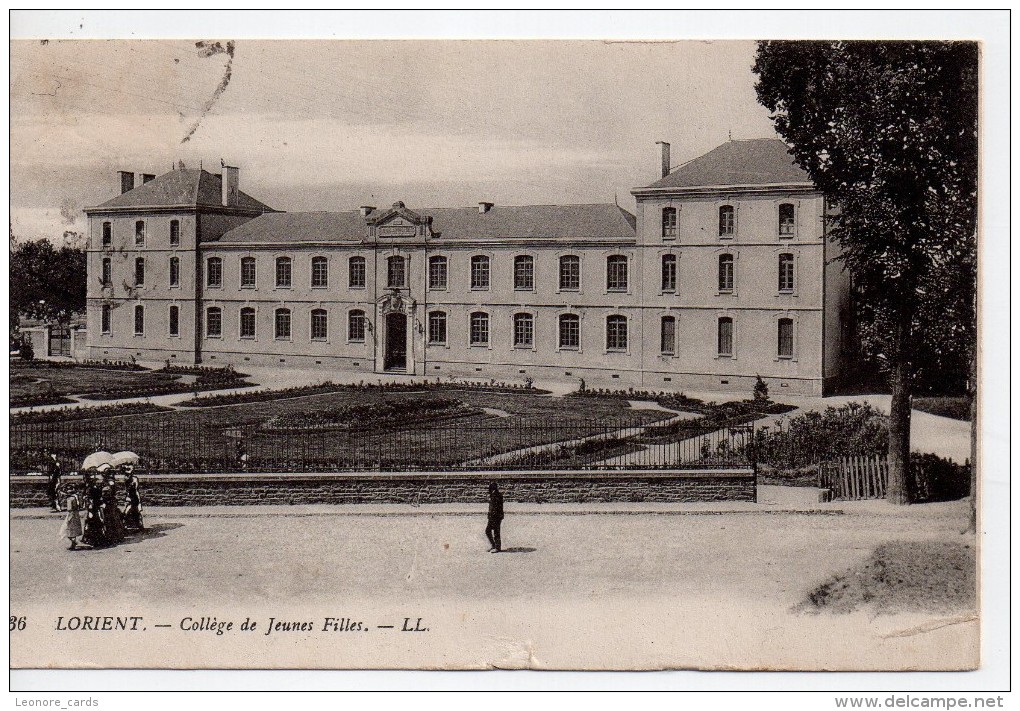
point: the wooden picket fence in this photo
(854, 478)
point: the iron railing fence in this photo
(512, 443)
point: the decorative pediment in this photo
(399, 222)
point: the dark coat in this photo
(495, 506)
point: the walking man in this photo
(495, 518)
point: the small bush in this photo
(938, 479)
(27, 350)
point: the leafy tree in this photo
(888, 132)
(47, 282)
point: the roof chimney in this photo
(146, 177)
(229, 180)
(665, 157)
(127, 181)
(484, 207)
(366, 210)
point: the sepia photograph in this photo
(496, 354)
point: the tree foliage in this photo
(47, 282)
(888, 132)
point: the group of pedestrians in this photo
(94, 516)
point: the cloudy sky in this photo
(334, 125)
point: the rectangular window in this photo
(139, 320)
(356, 273)
(524, 330)
(213, 322)
(570, 332)
(570, 273)
(786, 273)
(320, 325)
(479, 272)
(669, 223)
(105, 327)
(248, 274)
(726, 273)
(175, 271)
(283, 273)
(616, 273)
(140, 233)
(107, 278)
(247, 323)
(356, 326)
(787, 220)
(437, 327)
(107, 234)
(725, 337)
(282, 325)
(479, 329)
(524, 273)
(669, 272)
(616, 333)
(214, 272)
(175, 321)
(320, 273)
(727, 221)
(437, 273)
(175, 233)
(785, 338)
(139, 271)
(667, 340)
(396, 272)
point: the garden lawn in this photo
(203, 439)
(30, 380)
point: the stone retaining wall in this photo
(424, 488)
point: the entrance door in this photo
(60, 341)
(396, 342)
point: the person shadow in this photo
(518, 549)
(156, 530)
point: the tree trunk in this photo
(900, 490)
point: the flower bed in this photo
(328, 387)
(39, 399)
(65, 364)
(377, 415)
(168, 389)
(72, 414)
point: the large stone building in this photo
(724, 274)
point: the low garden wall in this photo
(425, 488)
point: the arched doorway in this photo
(396, 342)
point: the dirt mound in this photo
(904, 576)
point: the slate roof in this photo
(191, 188)
(500, 222)
(760, 161)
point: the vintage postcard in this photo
(560, 355)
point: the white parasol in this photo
(121, 458)
(94, 460)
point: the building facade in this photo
(723, 274)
